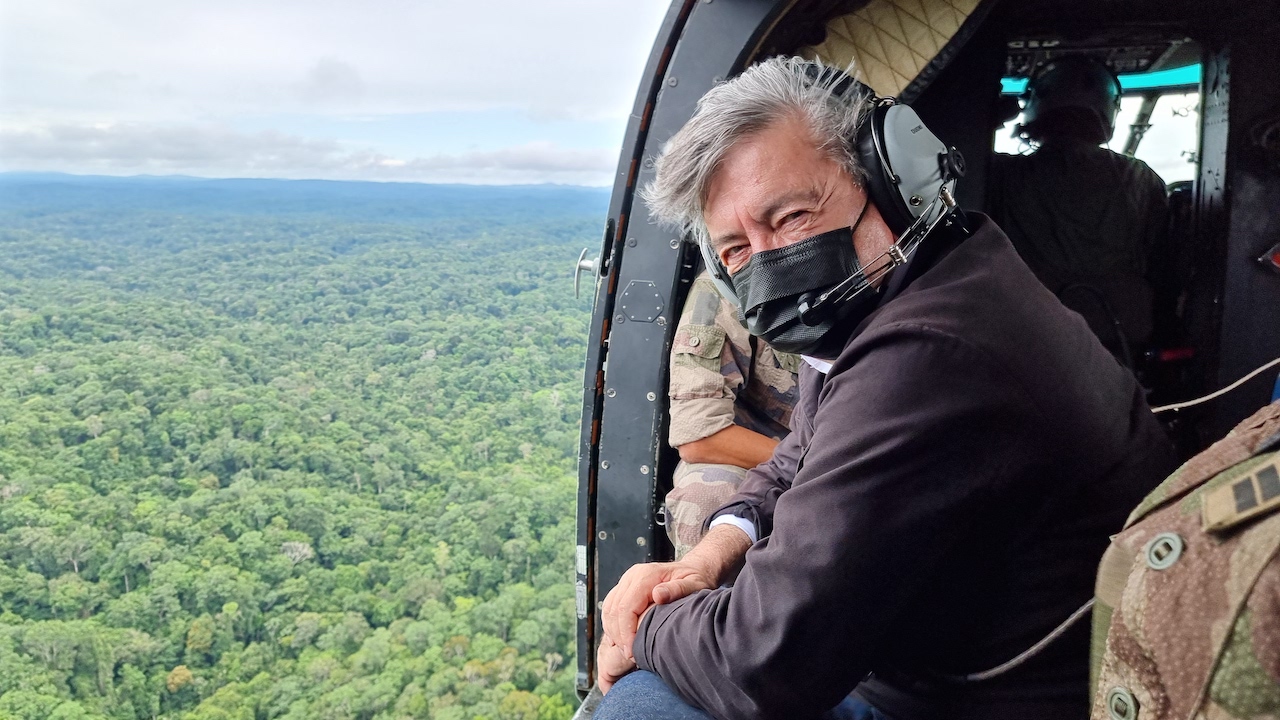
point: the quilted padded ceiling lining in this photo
(891, 41)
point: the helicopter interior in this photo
(1198, 100)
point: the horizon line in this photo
(180, 177)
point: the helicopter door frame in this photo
(638, 296)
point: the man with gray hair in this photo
(961, 449)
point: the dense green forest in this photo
(288, 450)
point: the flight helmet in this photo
(1075, 94)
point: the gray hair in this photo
(773, 90)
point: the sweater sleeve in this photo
(908, 437)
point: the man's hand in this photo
(611, 664)
(715, 559)
(641, 587)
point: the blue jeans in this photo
(644, 696)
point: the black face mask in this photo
(772, 283)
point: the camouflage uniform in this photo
(1187, 621)
(720, 376)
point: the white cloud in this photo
(159, 85)
(333, 81)
(217, 151)
(189, 59)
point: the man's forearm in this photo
(734, 445)
(720, 553)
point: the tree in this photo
(297, 551)
(200, 637)
(178, 678)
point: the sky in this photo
(485, 91)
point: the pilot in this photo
(960, 451)
(731, 399)
(1088, 221)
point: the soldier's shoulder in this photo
(1255, 435)
(1187, 591)
(703, 284)
(703, 304)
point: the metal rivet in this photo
(915, 200)
(662, 322)
(717, 79)
(604, 464)
(1121, 704)
(648, 163)
(631, 242)
(675, 243)
(602, 535)
(619, 318)
(651, 397)
(644, 469)
(611, 392)
(672, 81)
(641, 542)
(1164, 550)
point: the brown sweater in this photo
(940, 505)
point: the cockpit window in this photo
(1169, 141)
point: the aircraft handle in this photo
(583, 264)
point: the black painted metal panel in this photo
(1251, 293)
(1203, 314)
(960, 105)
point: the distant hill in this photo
(349, 201)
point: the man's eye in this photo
(733, 256)
(797, 215)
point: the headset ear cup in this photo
(880, 185)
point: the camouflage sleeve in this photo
(705, 376)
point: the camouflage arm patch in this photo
(696, 364)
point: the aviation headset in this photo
(910, 177)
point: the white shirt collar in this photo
(821, 366)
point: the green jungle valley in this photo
(288, 449)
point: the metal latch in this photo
(583, 264)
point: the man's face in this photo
(775, 188)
